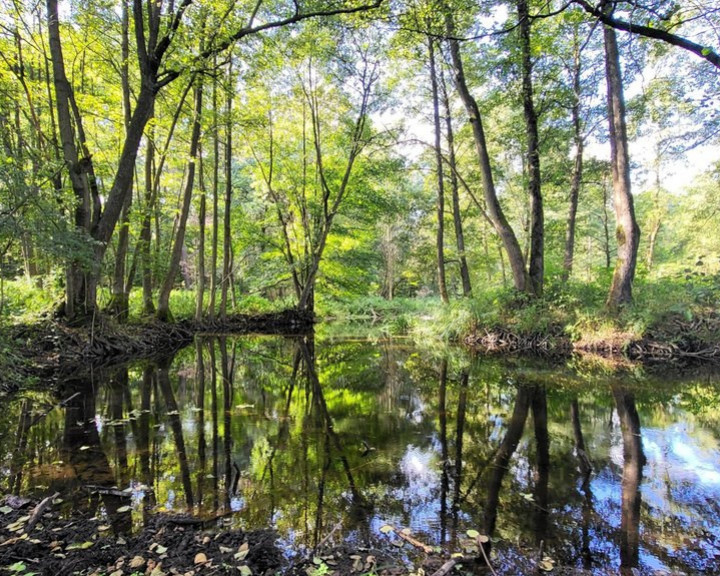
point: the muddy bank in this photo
(676, 341)
(47, 351)
(46, 538)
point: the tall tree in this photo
(494, 210)
(627, 231)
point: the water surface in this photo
(602, 470)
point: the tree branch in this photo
(704, 52)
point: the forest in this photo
(202, 159)
(373, 287)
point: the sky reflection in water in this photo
(300, 435)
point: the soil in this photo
(49, 350)
(61, 544)
(65, 542)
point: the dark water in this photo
(603, 470)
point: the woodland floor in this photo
(59, 543)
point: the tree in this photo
(157, 28)
(627, 231)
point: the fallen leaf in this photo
(200, 558)
(84, 447)
(5, 509)
(245, 570)
(225, 550)
(79, 546)
(123, 509)
(117, 573)
(103, 528)
(137, 562)
(406, 531)
(386, 529)
(472, 533)
(160, 549)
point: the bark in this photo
(76, 295)
(509, 240)
(215, 190)
(227, 265)
(163, 311)
(457, 216)
(576, 179)
(627, 231)
(146, 228)
(201, 247)
(536, 269)
(119, 304)
(440, 204)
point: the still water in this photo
(604, 470)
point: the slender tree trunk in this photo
(76, 297)
(509, 240)
(457, 216)
(163, 311)
(227, 264)
(119, 304)
(215, 190)
(576, 179)
(440, 204)
(201, 247)
(627, 231)
(537, 234)
(146, 229)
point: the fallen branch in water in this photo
(410, 540)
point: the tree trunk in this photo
(576, 179)
(119, 304)
(146, 229)
(215, 190)
(76, 296)
(440, 205)
(227, 267)
(163, 311)
(200, 255)
(457, 216)
(509, 240)
(536, 268)
(627, 231)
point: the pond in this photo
(600, 469)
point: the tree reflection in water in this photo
(301, 436)
(633, 462)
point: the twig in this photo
(445, 568)
(409, 539)
(328, 536)
(487, 560)
(39, 511)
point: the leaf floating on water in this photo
(546, 566)
(482, 538)
(84, 448)
(472, 533)
(398, 543)
(123, 509)
(528, 497)
(406, 531)
(386, 529)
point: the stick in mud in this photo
(39, 511)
